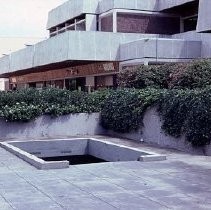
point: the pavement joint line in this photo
(8, 202)
(145, 180)
(69, 183)
(91, 194)
(37, 188)
(3, 195)
(163, 205)
(141, 195)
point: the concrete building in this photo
(90, 41)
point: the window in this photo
(76, 24)
(190, 23)
(147, 23)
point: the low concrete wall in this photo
(88, 124)
(153, 134)
(45, 127)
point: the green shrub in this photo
(187, 112)
(95, 100)
(124, 108)
(155, 76)
(21, 112)
(27, 104)
(195, 74)
(190, 75)
(56, 110)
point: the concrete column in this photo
(204, 17)
(91, 22)
(114, 21)
(4, 84)
(90, 83)
(146, 62)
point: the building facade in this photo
(90, 41)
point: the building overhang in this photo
(204, 17)
(160, 49)
(169, 4)
(71, 9)
(69, 46)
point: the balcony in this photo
(69, 46)
(71, 9)
(160, 49)
(147, 5)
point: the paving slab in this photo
(180, 182)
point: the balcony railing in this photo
(69, 46)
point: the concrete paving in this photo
(181, 182)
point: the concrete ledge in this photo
(114, 152)
(33, 160)
(148, 158)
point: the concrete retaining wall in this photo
(45, 126)
(153, 134)
(88, 124)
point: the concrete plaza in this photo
(180, 182)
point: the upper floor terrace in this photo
(134, 16)
(69, 48)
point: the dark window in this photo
(190, 24)
(107, 23)
(147, 24)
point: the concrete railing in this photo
(71, 45)
(149, 5)
(160, 48)
(71, 9)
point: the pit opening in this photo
(76, 159)
(60, 153)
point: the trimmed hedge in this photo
(123, 110)
(145, 76)
(195, 74)
(183, 112)
(27, 104)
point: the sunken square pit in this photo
(56, 154)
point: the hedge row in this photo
(187, 112)
(195, 74)
(123, 110)
(27, 104)
(183, 112)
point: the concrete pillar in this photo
(146, 62)
(114, 21)
(91, 22)
(4, 84)
(204, 17)
(90, 83)
(109, 81)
